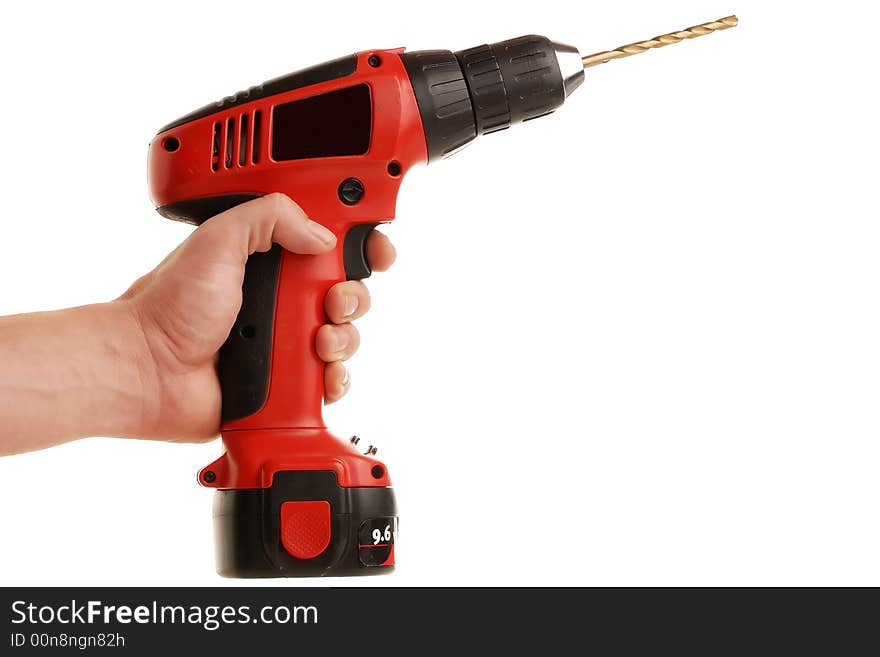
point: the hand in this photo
(188, 304)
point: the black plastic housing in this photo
(443, 98)
(337, 68)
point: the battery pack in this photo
(305, 525)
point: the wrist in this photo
(127, 372)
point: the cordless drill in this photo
(291, 498)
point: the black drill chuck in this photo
(487, 88)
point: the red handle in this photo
(290, 377)
(272, 379)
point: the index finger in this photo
(381, 253)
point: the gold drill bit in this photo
(659, 41)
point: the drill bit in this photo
(659, 41)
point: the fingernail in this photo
(346, 378)
(323, 234)
(351, 304)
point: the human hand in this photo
(188, 304)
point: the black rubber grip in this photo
(243, 366)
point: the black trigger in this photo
(354, 253)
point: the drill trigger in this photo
(354, 253)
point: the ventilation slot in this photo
(258, 126)
(243, 140)
(236, 141)
(215, 149)
(230, 138)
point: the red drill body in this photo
(338, 138)
(260, 443)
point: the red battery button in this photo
(305, 528)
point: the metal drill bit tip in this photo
(659, 41)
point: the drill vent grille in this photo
(236, 141)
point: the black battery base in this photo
(305, 525)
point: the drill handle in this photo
(270, 374)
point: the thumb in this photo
(255, 225)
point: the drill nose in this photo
(571, 66)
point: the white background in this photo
(634, 343)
